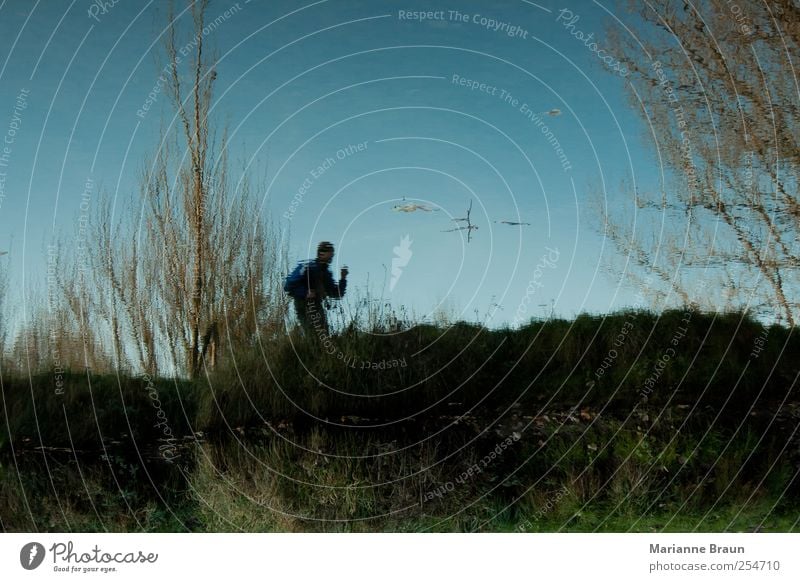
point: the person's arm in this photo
(333, 289)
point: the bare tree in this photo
(195, 126)
(716, 85)
(125, 278)
(57, 331)
(197, 268)
(189, 267)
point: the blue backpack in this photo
(295, 283)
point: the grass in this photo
(492, 369)
(90, 411)
(263, 445)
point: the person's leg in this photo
(323, 318)
(302, 312)
(316, 318)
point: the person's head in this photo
(324, 252)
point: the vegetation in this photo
(709, 82)
(189, 268)
(506, 430)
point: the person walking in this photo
(310, 283)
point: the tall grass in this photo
(287, 436)
(94, 410)
(462, 368)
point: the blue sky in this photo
(299, 83)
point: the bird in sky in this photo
(511, 223)
(3, 253)
(469, 228)
(412, 207)
(466, 219)
(553, 112)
